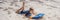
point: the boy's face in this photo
(31, 11)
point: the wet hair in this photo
(31, 9)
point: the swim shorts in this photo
(22, 12)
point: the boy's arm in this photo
(24, 16)
(30, 17)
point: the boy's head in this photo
(31, 9)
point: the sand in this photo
(51, 9)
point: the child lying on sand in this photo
(28, 14)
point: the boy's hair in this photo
(31, 9)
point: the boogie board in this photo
(38, 16)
